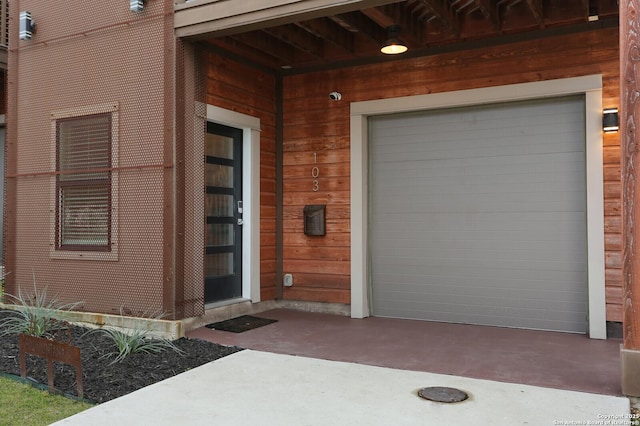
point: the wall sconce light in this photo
(26, 26)
(136, 5)
(393, 45)
(610, 120)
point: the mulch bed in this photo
(102, 380)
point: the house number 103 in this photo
(315, 172)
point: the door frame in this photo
(250, 127)
(590, 86)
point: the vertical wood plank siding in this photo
(239, 88)
(315, 124)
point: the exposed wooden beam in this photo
(412, 26)
(383, 16)
(356, 21)
(443, 13)
(267, 44)
(198, 19)
(535, 6)
(298, 38)
(347, 36)
(330, 32)
(394, 14)
(240, 52)
(490, 11)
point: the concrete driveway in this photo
(261, 388)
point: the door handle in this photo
(240, 221)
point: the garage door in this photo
(478, 215)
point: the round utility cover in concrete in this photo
(443, 394)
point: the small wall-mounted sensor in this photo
(335, 96)
(288, 280)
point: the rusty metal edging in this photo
(51, 350)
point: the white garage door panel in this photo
(478, 215)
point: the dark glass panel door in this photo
(223, 213)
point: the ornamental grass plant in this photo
(36, 314)
(136, 340)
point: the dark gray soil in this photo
(102, 380)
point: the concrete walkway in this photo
(261, 388)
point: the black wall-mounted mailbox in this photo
(314, 219)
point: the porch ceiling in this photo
(427, 26)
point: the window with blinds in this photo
(84, 183)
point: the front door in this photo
(223, 213)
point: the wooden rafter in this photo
(330, 32)
(536, 10)
(443, 13)
(267, 44)
(394, 14)
(298, 38)
(425, 24)
(383, 16)
(361, 23)
(490, 11)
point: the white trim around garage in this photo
(589, 86)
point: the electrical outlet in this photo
(288, 280)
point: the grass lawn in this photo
(22, 404)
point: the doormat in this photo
(241, 324)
